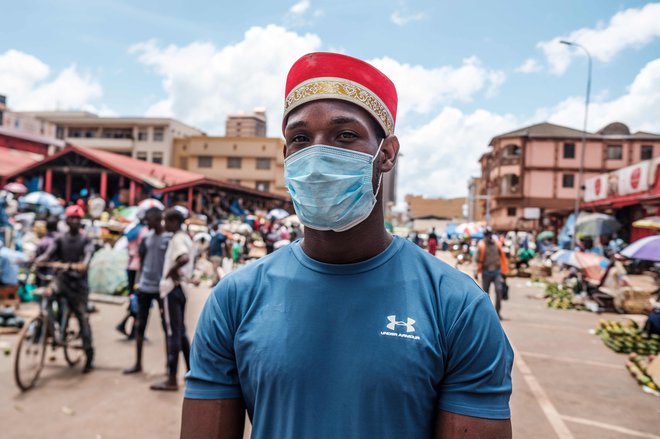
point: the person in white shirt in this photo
(177, 272)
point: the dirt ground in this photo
(567, 384)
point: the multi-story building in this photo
(254, 162)
(530, 175)
(247, 124)
(143, 138)
(23, 132)
(475, 211)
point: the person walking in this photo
(349, 332)
(152, 258)
(134, 236)
(75, 249)
(177, 273)
(217, 251)
(433, 242)
(492, 265)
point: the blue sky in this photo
(458, 66)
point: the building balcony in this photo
(121, 145)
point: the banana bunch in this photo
(627, 338)
(558, 297)
(637, 366)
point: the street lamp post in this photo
(584, 141)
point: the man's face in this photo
(334, 123)
(330, 122)
(154, 220)
(172, 225)
(74, 223)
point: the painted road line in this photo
(549, 410)
(611, 427)
(572, 360)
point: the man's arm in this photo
(213, 419)
(453, 426)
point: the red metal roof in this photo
(155, 175)
(13, 160)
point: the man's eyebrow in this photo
(342, 120)
(294, 125)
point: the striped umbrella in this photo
(468, 229)
(647, 249)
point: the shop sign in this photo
(633, 179)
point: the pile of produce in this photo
(638, 367)
(627, 338)
(558, 297)
(8, 318)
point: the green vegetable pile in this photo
(558, 297)
(627, 338)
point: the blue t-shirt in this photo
(364, 350)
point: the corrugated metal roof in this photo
(13, 160)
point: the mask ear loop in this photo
(380, 176)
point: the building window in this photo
(567, 180)
(183, 162)
(143, 136)
(157, 157)
(512, 151)
(233, 163)
(263, 163)
(204, 161)
(159, 134)
(141, 155)
(511, 211)
(59, 132)
(263, 186)
(646, 152)
(569, 150)
(614, 152)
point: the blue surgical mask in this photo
(331, 188)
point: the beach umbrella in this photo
(592, 264)
(468, 229)
(596, 224)
(278, 214)
(565, 257)
(40, 198)
(16, 188)
(647, 249)
(545, 235)
(651, 222)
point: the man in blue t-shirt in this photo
(350, 332)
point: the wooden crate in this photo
(9, 296)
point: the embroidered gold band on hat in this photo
(338, 88)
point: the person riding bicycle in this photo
(75, 249)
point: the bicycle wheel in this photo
(30, 353)
(72, 341)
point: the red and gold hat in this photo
(324, 75)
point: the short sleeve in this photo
(477, 380)
(213, 372)
(179, 245)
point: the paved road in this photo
(566, 383)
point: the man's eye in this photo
(346, 135)
(299, 138)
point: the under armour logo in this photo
(394, 323)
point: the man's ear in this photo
(390, 151)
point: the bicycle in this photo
(53, 327)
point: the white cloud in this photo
(28, 84)
(630, 28)
(401, 18)
(422, 89)
(203, 83)
(638, 108)
(300, 7)
(439, 157)
(530, 65)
